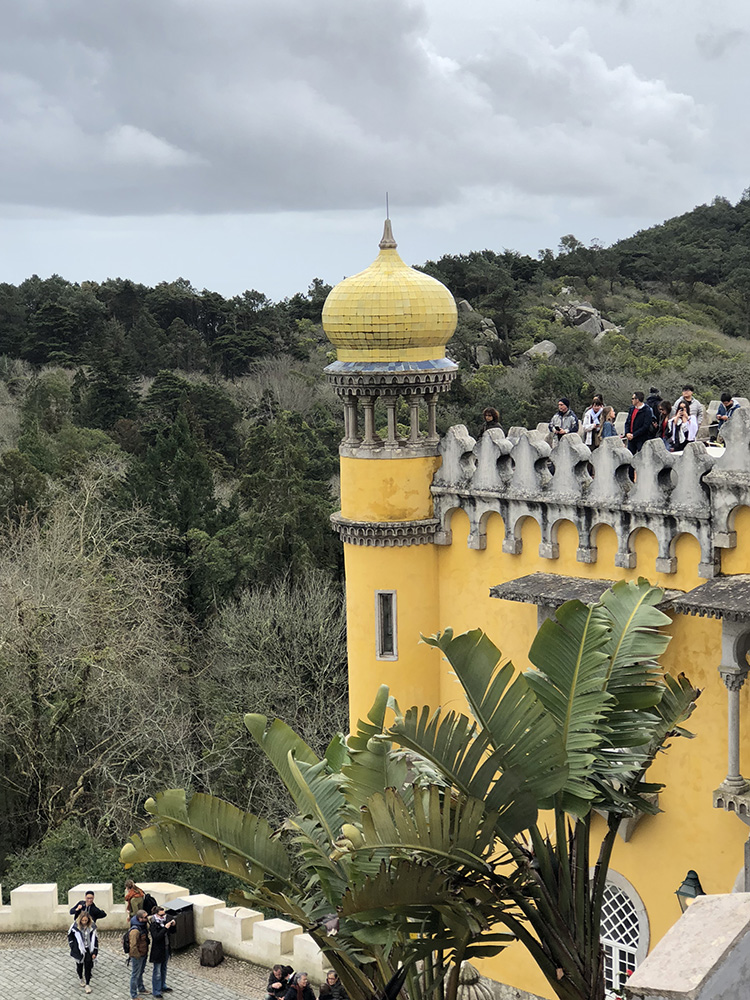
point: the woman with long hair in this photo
(682, 427)
(84, 947)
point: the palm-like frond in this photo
(464, 757)
(405, 895)
(510, 756)
(433, 826)
(570, 681)
(372, 767)
(208, 831)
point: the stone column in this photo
(734, 678)
(391, 440)
(351, 433)
(370, 440)
(432, 434)
(414, 420)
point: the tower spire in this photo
(387, 242)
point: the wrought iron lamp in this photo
(689, 890)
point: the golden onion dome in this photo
(389, 311)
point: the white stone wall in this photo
(244, 933)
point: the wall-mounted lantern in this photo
(689, 890)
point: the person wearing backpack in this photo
(134, 896)
(138, 940)
(84, 947)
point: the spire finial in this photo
(387, 242)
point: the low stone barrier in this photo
(244, 933)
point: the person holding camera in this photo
(564, 421)
(160, 929)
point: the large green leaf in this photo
(277, 741)
(432, 824)
(635, 643)
(372, 767)
(570, 653)
(512, 742)
(208, 831)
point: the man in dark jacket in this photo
(300, 988)
(160, 928)
(638, 424)
(88, 905)
(278, 981)
(138, 952)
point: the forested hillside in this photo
(168, 463)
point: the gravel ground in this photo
(243, 977)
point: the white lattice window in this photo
(620, 936)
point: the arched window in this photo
(624, 931)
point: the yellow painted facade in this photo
(442, 585)
(448, 585)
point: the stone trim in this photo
(384, 534)
(551, 590)
(726, 597)
(390, 383)
(405, 450)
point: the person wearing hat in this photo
(564, 421)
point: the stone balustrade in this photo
(244, 933)
(695, 492)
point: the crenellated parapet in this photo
(694, 492)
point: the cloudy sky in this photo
(250, 143)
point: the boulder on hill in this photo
(544, 348)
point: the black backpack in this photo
(126, 942)
(149, 903)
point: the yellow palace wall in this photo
(448, 585)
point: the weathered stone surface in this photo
(704, 956)
(695, 492)
(545, 348)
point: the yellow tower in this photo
(390, 325)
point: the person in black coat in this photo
(160, 927)
(639, 424)
(88, 905)
(490, 419)
(300, 988)
(332, 988)
(278, 982)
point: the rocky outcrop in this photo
(582, 316)
(544, 348)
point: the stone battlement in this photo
(244, 933)
(695, 492)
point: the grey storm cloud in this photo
(211, 106)
(715, 43)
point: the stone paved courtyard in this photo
(41, 964)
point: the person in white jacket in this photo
(592, 423)
(84, 947)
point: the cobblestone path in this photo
(45, 968)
